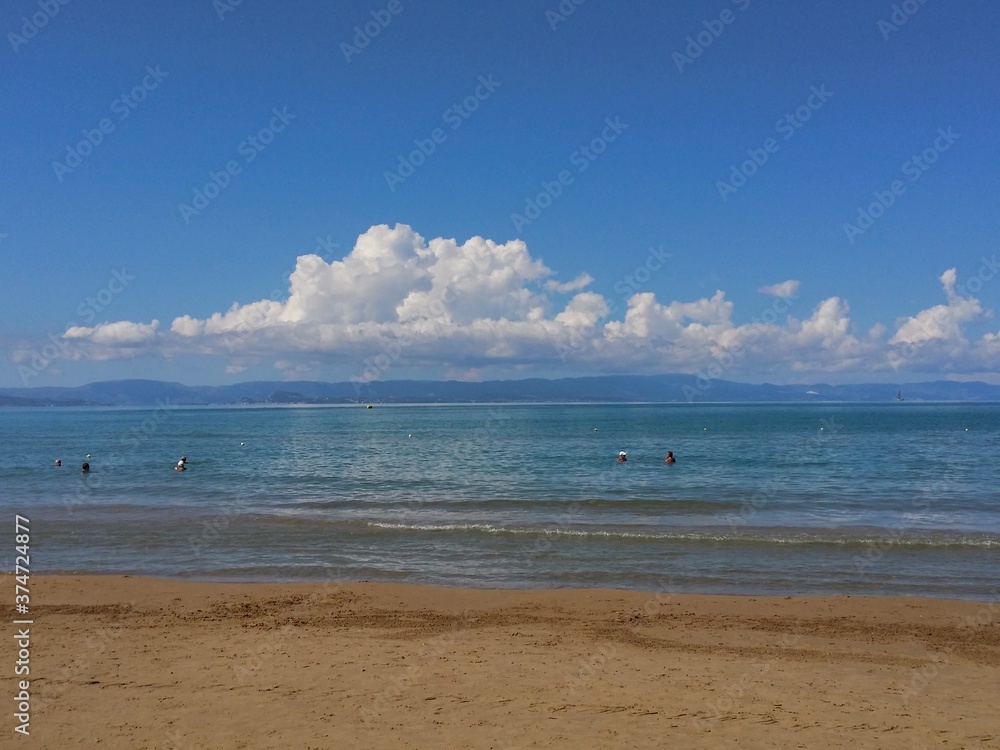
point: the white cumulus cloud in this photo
(941, 322)
(786, 289)
(580, 282)
(481, 306)
(121, 333)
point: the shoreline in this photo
(988, 598)
(154, 662)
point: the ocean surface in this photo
(895, 498)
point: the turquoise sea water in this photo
(900, 498)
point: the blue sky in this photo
(614, 190)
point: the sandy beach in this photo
(148, 663)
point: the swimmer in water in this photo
(622, 457)
(85, 468)
(180, 466)
(670, 458)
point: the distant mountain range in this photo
(606, 388)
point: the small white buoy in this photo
(409, 436)
(242, 443)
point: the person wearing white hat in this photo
(622, 457)
(181, 465)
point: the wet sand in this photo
(149, 663)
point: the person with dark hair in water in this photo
(86, 467)
(670, 458)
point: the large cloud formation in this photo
(397, 299)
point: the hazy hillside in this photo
(621, 388)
